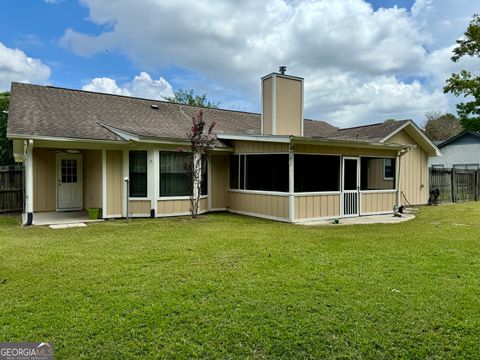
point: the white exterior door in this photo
(350, 187)
(69, 182)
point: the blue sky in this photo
(361, 64)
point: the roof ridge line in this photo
(134, 97)
(375, 124)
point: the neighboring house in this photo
(78, 147)
(460, 152)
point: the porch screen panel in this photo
(267, 172)
(316, 173)
(377, 173)
(234, 183)
(138, 173)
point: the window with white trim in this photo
(138, 173)
(388, 168)
(174, 178)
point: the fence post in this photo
(453, 184)
(475, 183)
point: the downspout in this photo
(400, 154)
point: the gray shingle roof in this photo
(372, 133)
(56, 112)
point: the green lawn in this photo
(226, 286)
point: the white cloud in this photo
(358, 54)
(142, 86)
(15, 65)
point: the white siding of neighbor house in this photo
(456, 154)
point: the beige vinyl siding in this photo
(414, 171)
(139, 207)
(345, 151)
(376, 176)
(289, 106)
(92, 179)
(267, 106)
(178, 207)
(219, 181)
(272, 206)
(44, 180)
(114, 164)
(317, 206)
(378, 202)
(258, 147)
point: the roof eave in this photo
(349, 143)
(263, 138)
(433, 151)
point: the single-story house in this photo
(461, 151)
(79, 146)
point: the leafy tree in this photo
(188, 97)
(6, 147)
(466, 83)
(442, 126)
(202, 141)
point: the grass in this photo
(228, 286)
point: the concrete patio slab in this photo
(363, 220)
(62, 217)
(66, 226)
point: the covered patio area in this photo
(62, 217)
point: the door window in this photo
(69, 171)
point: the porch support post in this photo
(126, 173)
(209, 182)
(28, 155)
(291, 185)
(153, 182)
(104, 184)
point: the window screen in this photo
(374, 171)
(138, 173)
(174, 179)
(259, 172)
(316, 173)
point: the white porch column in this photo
(209, 182)
(153, 180)
(28, 155)
(398, 169)
(291, 186)
(126, 173)
(104, 184)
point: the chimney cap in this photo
(282, 69)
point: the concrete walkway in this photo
(363, 220)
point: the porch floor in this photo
(61, 217)
(364, 220)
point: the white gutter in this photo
(263, 138)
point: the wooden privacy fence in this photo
(455, 185)
(11, 188)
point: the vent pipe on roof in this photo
(154, 106)
(282, 69)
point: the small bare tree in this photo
(202, 141)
